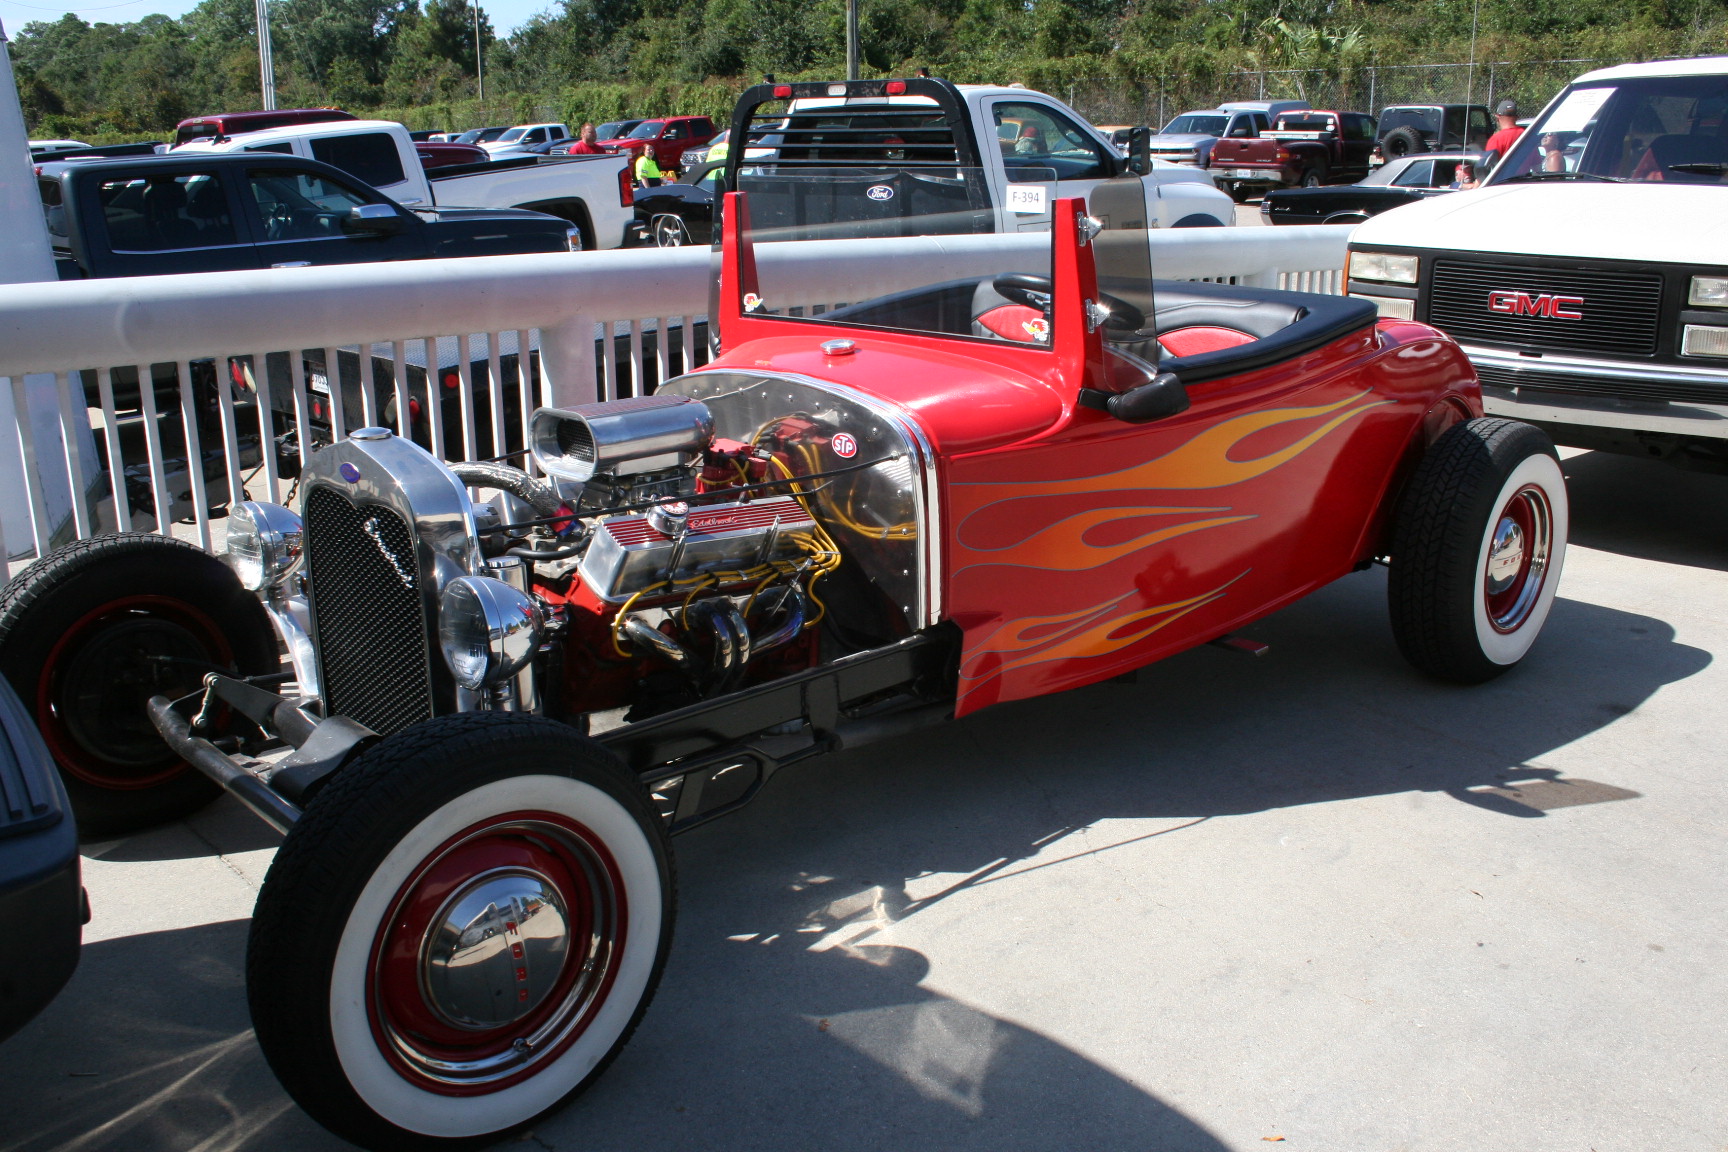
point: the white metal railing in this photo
(336, 347)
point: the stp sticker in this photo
(844, 445)
(879, 192)
(752, 302)
(1026, 198)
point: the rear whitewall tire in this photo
(1488, 491)
(1536, 480)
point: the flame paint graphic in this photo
(1062, 546)
(1075, 635)
(1204, 461)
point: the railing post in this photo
(567, 362)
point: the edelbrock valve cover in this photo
(628, 553)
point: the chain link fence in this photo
(1369, 88)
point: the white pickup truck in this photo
(592, 192)
(1588, 279)
(1001, 155)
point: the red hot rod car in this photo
(847, 525)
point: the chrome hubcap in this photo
(496, 950)
(1505, 556)
(1518, 557)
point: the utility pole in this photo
(851, 39)
(266, 65)
(25, 255)
(479, 75)
(1470, 84)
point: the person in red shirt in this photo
(586, 144)
(1506, 114)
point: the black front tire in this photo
(460, 933)
(91, 631)
(1477, 550)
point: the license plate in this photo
(1242, 173)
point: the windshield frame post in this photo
(1077, 345)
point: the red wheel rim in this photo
(96, 680)
(498, 953)
(1520, 547)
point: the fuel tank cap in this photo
(839, 347)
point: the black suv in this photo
(1409, 128)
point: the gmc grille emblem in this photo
(1514, 303)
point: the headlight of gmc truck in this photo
(1383, 266)
(488, 630)
(263, 544)
(1708, 292)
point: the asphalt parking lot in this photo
(1308, 899)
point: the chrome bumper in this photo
(1563, 390)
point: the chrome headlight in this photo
(1383, 266)
(1708, 292)
(488, 630)
(263, 544)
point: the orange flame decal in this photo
(1062, 546)
(1204, 460)
(1076, 635)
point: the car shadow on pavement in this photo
(1648, 509)
(149, 1049)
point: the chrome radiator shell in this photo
(629, 554)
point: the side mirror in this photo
(372, 220)
(1140, 150)
(1163, 395)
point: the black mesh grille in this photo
(1620, 310)
(1627, 388)
(575, 441)
(371, 625)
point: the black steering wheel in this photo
(1036, 292)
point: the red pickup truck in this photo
(668, 136)
(1307, 148)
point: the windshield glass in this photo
(1668, 130)
(1196, 124)
(958, 292)
(647, 130)
(1421, 119)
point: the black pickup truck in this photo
(219, 212)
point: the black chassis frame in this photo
(698, 762)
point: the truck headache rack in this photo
(862, 123)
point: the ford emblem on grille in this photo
(1515, 303)
(350, 473)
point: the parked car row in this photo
(1253, 146)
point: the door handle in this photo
(293, 264)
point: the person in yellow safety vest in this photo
(718, 149)
(647, 171)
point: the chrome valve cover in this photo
(629, 553)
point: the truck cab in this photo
(1002, 155)
(1588, 279)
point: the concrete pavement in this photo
(1309, 899)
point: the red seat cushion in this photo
(1202, 338)
(1016, 322)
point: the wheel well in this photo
(1198, 220)
(572, 210)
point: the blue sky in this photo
(506, 15)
